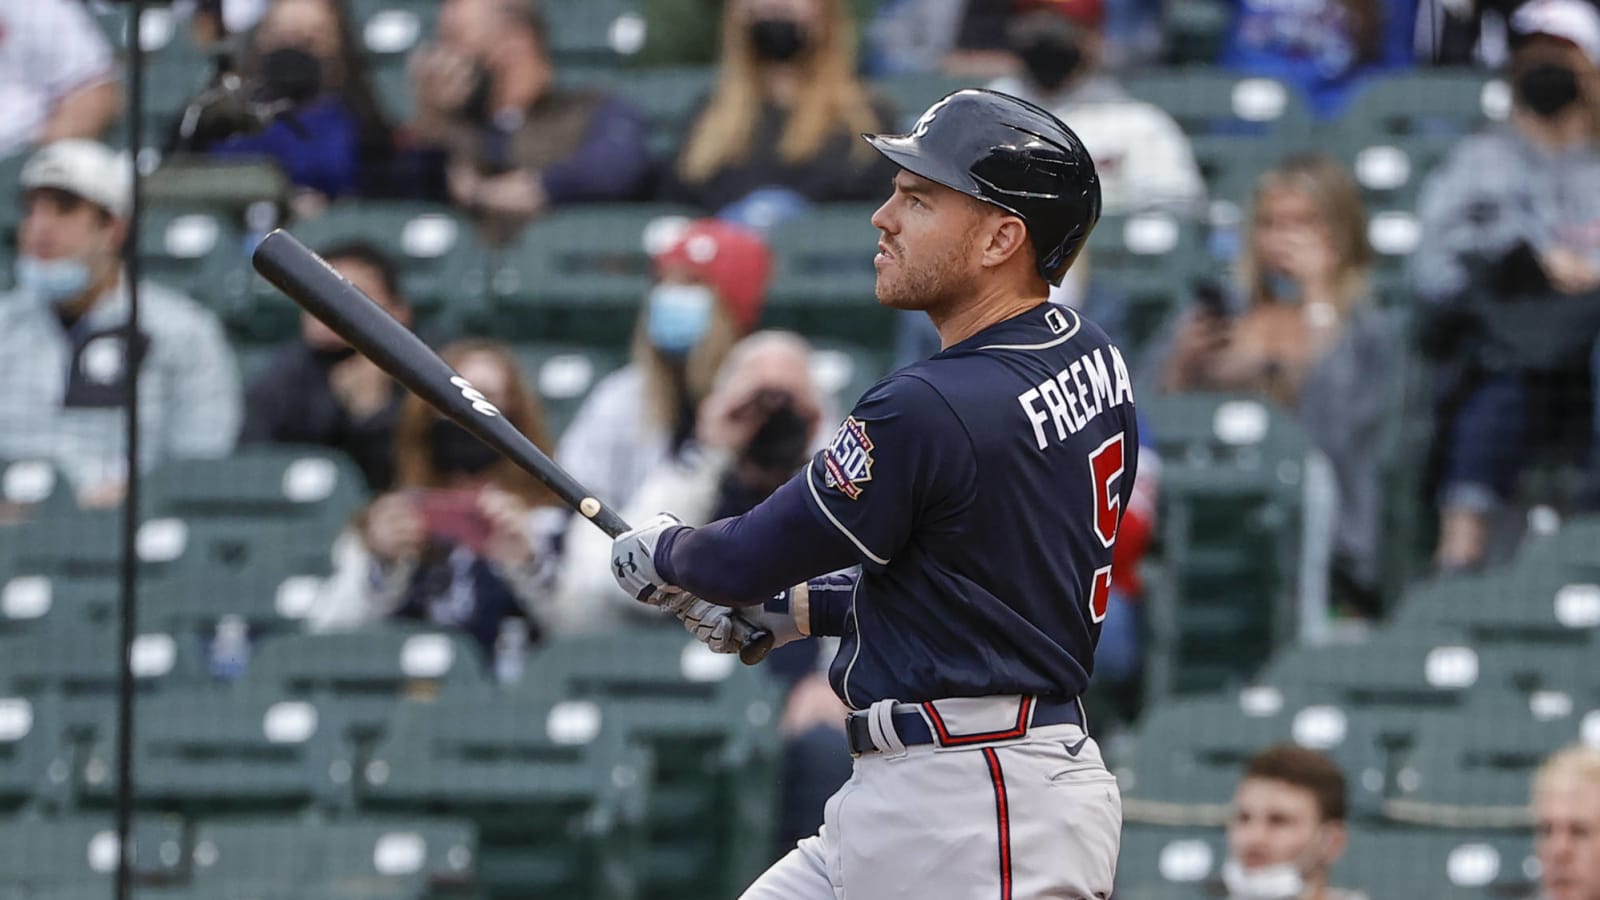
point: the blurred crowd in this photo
(712, 412)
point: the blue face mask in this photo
(1282, 288)
(53, 282)
(679, 316)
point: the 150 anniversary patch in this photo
(848, 460)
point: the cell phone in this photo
(452, 517)
(1210, 300)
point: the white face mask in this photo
(1280, 882)
(53, 282)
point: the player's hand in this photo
(394, 529)
(712, 624)
(633, 561)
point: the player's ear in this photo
(1007, 235)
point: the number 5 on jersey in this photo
(1105, 467)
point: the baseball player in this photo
(978, 494)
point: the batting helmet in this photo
(1010, 153)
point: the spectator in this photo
(318, 390)
(754, 430)
(781, 126)
(712, 281)
(58, 79)
(1566, 824)
(1287, 828)
(515, 143)
(468, 539)
(1509, 272)
(1326, 48)
(1142, 155)
(1309, 338)
(304, 52)
(63, 337)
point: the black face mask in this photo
(1547, 89)
(777, 40)
(290, 73)
(1050, 62)
(456, 452)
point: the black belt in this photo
(913, 729)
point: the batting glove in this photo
(712, 624)
(633, 561)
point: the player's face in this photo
(1566, 818)
(926, 254)
(1273, 823)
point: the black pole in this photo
(130, 503)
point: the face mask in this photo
(1050, 62)
(679, 316)
(1547, 89)
(53, 281)
(1280, 882)
(777, 40)
(455, 451)
(1282, 288)
(290, 73)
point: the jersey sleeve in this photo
(901, 460)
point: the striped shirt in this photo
(61, 391)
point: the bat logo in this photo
(475, 397)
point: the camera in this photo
(235, 103)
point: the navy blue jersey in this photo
(981, 491)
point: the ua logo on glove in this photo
(625, 567)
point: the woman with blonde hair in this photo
(785, 113)
(466, 539)
(1306, 334)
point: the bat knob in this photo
(755, 648)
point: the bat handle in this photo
(754, 643)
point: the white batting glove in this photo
(712, 625)
(633, 561)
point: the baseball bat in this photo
(308, 280)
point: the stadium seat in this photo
(666, 97)
(1448, 865)
(1232, 470)
(1475, 768)
(87, 543)
(1572, 545)
(31, 489)
(392, 29)
(214, 751)
(364, 673)
(1213, 101)
(34, 763)
(1438, 102)
(267, 482)
(356, 855)
(1168, 863)
(40, 854)
(563, 374)
(556, 792)
(1532, 602)
(597, 32)
(578, 275)
(1149, 261)
(824, 282)
(1191, 752)
(29, 602)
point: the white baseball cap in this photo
(1575, 21)
(87, 169)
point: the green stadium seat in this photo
(666, 97)
(1402, 670)
(1530, 602)
(44, 853)
(390, 30)
(564, 373)
(1192, 752)
(356, 856)
(269, 482)
(1168, 863)
(215, 751)
(1474, 769)
(824, 281)
(1211, 101)
(1428, 102)
(1448, 865)
(34, 763)
(87, 543)
(29, 602)
(1390, 169)
(33, 488)
(579, 274)
(599, 32)
(1232, 470)
(72, 659)
(1572, 545)
(1149, 261)
(556, 792)
(364, 673)
(272, 592)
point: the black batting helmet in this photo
(1010, 153)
